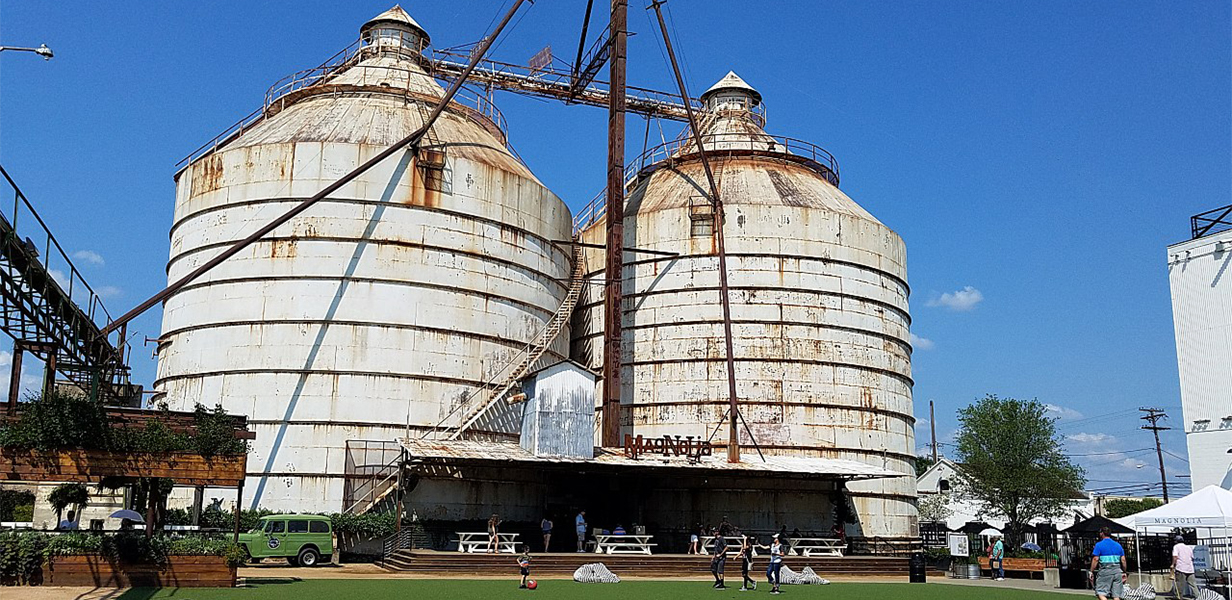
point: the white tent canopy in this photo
(1207, 508)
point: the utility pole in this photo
(1152, 416)
(614, 269)
(932, 424)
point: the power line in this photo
(1176, 456)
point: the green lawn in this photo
(411, 589)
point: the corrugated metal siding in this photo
(558, 418)
(1201, 283)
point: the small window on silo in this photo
(701, 216)
(436, 176)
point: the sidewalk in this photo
(1034, 585)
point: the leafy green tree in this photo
(68, 494)
(1012, 462)
(1123, 507)
(922, 463)
(934, 508)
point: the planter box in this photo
(98, 571)
(1034, 565)
(88, 466)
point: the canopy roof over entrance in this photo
(460, 452)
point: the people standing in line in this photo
(494, 534)
(1108, 569)
(997, 555)
(546, 526)
(777, 551)
(580, 524)
(695, 541)
(746, 564)
(718, 563)
(1183, 570)
(524, 565)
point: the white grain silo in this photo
(818, 305)
(375, 311)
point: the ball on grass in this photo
(532, 584)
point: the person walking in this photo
(695, 541)
(746, 564)
(1108, 567)
(997, 555)
(546, 526)
(718, 563)
(579, 523)
(1183, 570)
(494, 534)
(776, 563)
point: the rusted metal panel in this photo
(558, 418)
(375, 312)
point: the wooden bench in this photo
(623, 544)
(1030, 566)
(472, 542)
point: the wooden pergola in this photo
(85, 465)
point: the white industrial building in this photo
(1200, 274)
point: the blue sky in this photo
(1037, 157)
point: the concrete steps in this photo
(564, 564)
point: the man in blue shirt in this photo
(580, 524)
(996, 560)
(1108, 567)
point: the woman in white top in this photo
(776, 564)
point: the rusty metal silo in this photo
(374, 313)
(818, 300)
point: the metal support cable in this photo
(733, 447)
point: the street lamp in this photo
(42, 50)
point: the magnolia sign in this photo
(667, 446)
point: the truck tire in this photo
(308, 557)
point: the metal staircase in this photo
(46, 304)
(508, 377)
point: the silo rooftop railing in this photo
(666, 155)
(476, 106)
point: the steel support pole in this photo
(932, 424)
(239, 508)
(733, 443)
(409, 140)
(614, 268)
(15, 375)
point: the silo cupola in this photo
(731, 93)
(394, 31)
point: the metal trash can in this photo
(917, 569)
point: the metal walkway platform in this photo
(48, 308)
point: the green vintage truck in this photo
(301, 539)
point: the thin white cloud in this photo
(959, 301)
(89, 256)
(921, 343)
(109, 291)
(1091, 438)
(1062, 412)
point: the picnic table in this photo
(733, 545)
(623, 544)
(477, 541)
(816, 546)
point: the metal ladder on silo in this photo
(524, 361)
